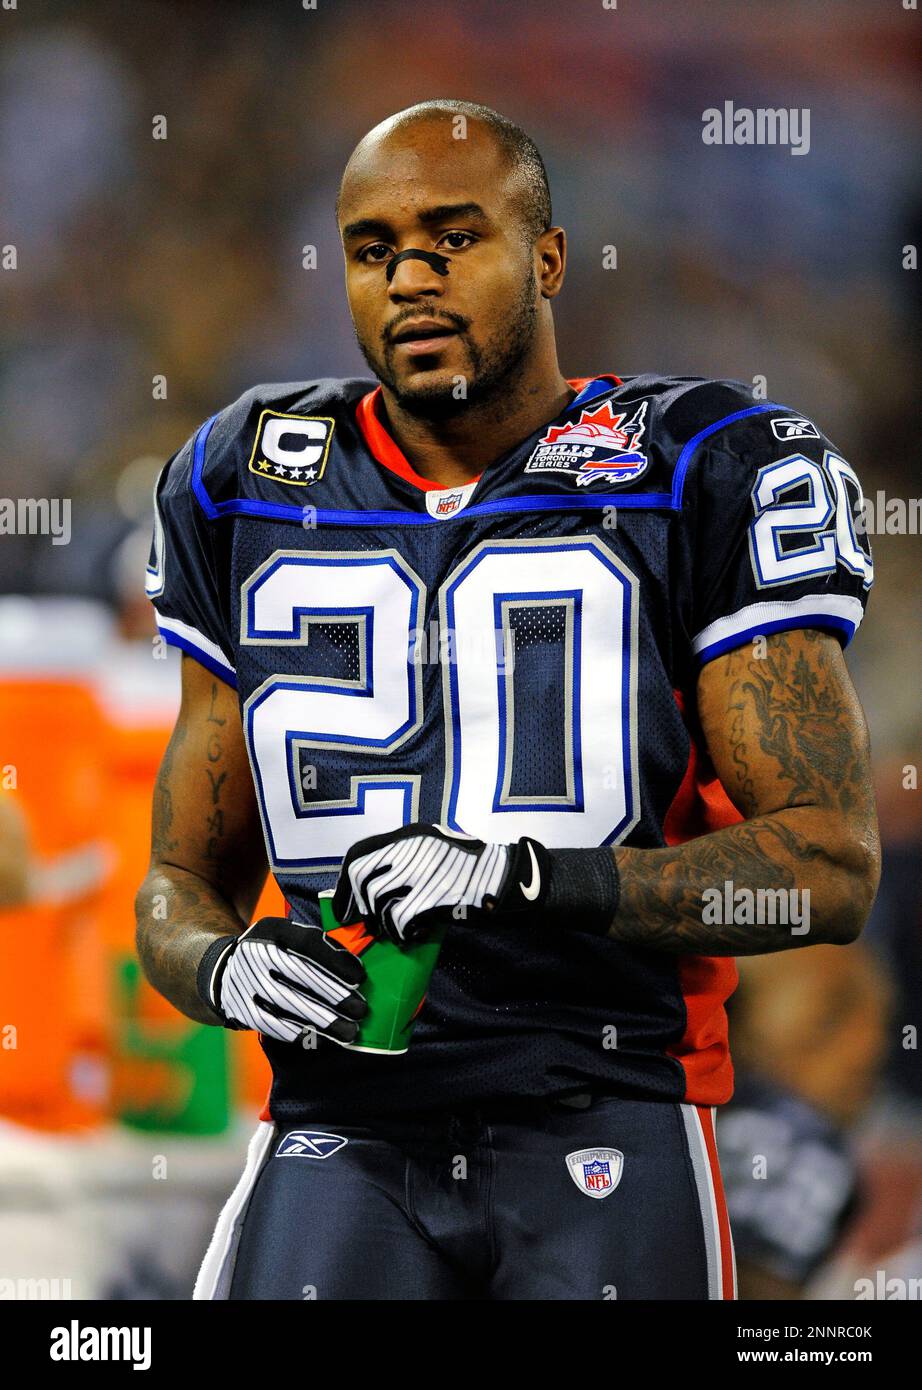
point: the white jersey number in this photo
(822, 522)
(594, 797)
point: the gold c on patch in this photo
(291, 448)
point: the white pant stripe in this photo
(701, 1166)
(217, 1271)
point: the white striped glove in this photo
(411, 880)
(282, 978)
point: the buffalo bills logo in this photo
(602, 443)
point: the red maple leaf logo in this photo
(594, 426)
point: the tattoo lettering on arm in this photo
(213, 715)
(216, 778)
(789, 742)
(208, 862)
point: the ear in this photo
(551, 248)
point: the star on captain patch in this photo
(291, 448)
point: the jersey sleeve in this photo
(776, 536)
(184, 573)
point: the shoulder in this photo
(704, 431)
(212, 464)
(719, 435)
(687, 408)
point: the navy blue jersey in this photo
(514, 656)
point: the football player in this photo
(553, 664)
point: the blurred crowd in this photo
(155, 278)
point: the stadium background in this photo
(179, 263)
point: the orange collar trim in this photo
(388, 453)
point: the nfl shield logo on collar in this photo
(596, 1172)
(448, 500)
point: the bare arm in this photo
(789, 742)
(208, 863)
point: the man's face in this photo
(438, 342)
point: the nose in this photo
(414, 277)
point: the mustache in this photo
(456, 321)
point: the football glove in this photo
(405, 883)
(283, 978)
(408, 881)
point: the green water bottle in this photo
(397, 978)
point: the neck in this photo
(452, 452)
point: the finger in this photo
(373, 884)
(307, 942)
(415, 864)
(290, 982)
(352, 1005)
(385, 912)
(359, 873)
(283, 1001)
(307, 972)
(293, 1025)
(405, 861)
(445, 880)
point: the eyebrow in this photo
(442, 212)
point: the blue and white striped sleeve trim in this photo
(189, 639)
(836, 611)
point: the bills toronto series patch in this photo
(603, 443)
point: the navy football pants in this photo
(481, 1204)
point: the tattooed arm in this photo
(789, 742)
(208, 864)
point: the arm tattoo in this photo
(792, 709)
(180, 911)
(179, 915)
(162, 842)
(216, 779)
(789, 738)
(663, 891)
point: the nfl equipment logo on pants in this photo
(596, 1171)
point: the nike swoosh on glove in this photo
(282, 978)
(409, 881)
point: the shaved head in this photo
(521, 157)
